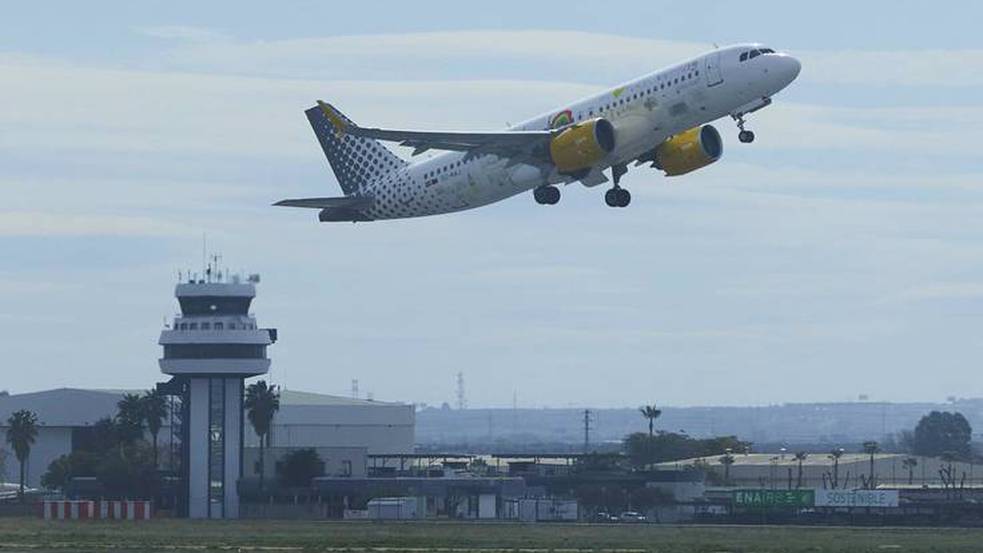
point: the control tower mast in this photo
(209, 350)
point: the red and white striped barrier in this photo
(124, 510)
(67, 510)
(105, 510)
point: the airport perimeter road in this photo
(22, 534)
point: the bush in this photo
(299, 467)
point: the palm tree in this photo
(871, 448)
(835, 455)
(800, 456)
(262, 402)
(129, 418)
(727, 460)
(910, 463)
(22, 429)
(154, 413)
(651, 412)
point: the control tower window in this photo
(215, 305)
(206, 326)
(193, 326)
(217, 326)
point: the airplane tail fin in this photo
(354, 160)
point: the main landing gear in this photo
(745, 136)
(617, 196)
(546, 195)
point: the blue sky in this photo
(840, 254)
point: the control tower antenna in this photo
(204, 252)
(462, 401)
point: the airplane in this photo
(661, 119)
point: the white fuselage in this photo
(644, 113)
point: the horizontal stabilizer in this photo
(350, 202)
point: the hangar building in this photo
(305, 419)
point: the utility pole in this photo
(354, 388)
(587, 415)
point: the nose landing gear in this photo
(745, 136)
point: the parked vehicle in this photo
(632, 516)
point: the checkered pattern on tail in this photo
(354, 160)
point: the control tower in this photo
(209, 350)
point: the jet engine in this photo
(578, 148)
(689, 151)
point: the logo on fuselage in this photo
(561, 119)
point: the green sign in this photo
(769, 499)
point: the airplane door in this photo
(714, 77)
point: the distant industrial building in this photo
(305, 419)
(820, 470)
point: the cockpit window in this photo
(744, 56)
(767, 51)
(754, 54)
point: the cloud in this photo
(927, 68)
(594, 57)
(46, 223)
(424, 56)
(943, 291)
(183, 33)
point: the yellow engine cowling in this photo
(689, 151)
(580, 147)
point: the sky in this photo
(840, 254)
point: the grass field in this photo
(26, 534)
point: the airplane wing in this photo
(523, 144)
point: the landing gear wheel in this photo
(745, 136)
(547, 195)
(611, 197)
(617, 197)
(624, 197)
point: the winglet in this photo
(337, 121)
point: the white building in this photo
(317, 420)
(305, 420)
